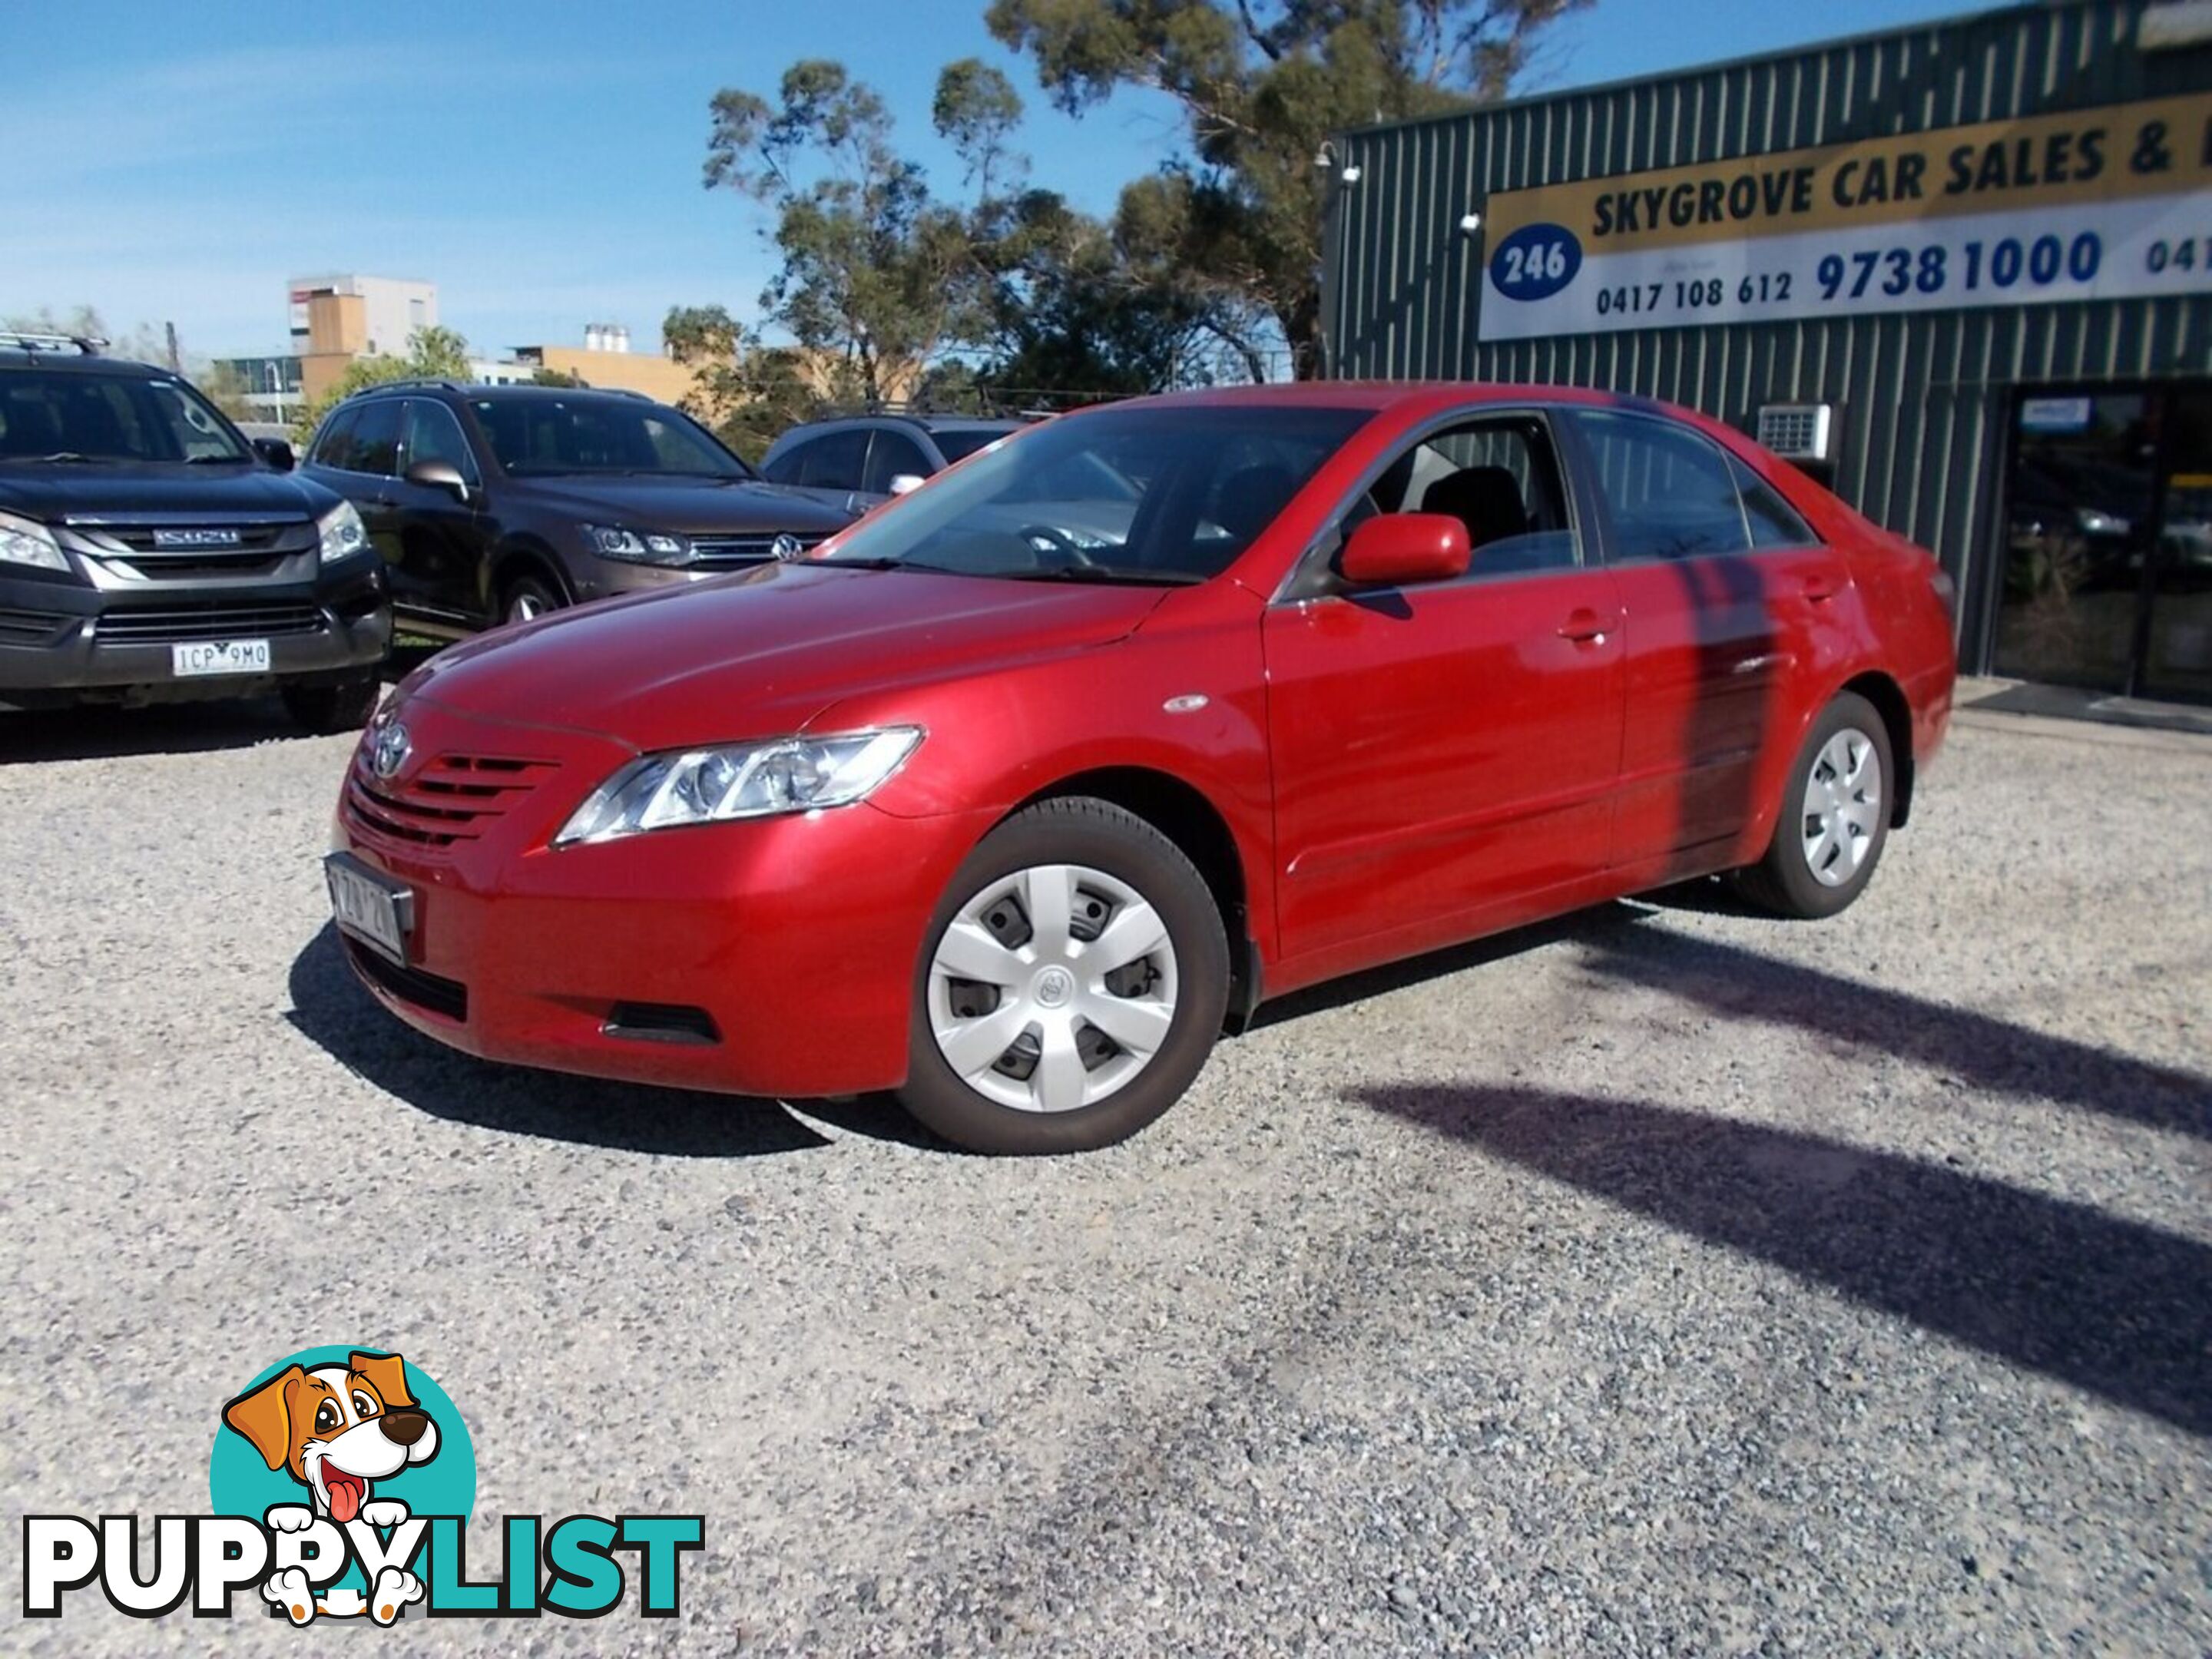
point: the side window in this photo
(893, 453)
(1498, 477)
(334, 443)
(433, 435)
(376, 438)
(786, 468)
(1667, 491)
(1774, 522)
(834, 461)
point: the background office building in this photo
(1962, 271)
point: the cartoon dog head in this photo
(336, 1428)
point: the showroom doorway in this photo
(2107, 523)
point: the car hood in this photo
(81, 494)
(766, 651)
(689, 505)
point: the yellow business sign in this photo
(2094, 203)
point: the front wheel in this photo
(527, 599)
(1072, 984)
(325, 709)
(1834, 819)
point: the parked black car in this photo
(493, 504)
(859, 461)
(149, 552)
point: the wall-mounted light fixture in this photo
(1469, 222)
(1326, 157)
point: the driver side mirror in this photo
(904, 482)
(1398, 549)
(276, 451)
(440, 475)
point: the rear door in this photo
(1446, 753)
(1731, 607)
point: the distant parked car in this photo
(149, 553)
(493, 504)
(862, 462)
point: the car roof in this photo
(475, 393)
(925, 423)
(82, 363)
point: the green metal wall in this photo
(1923, 399)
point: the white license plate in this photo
(220, 657)
(376, 911)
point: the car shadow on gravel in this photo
(181, 728)
(1973, 1049)
(331, 1008)
(2097, 1302)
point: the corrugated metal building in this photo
(2032, 400)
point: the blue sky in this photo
(538, 160)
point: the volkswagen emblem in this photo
(388, 750)
(786, 547)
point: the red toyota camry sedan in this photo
(1028, 786)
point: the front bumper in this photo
(798, 938)
(59, 639)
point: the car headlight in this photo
(344, 535)
(637, 546)
(739, 780)
(26, 541)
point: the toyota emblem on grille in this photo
(786, 547)
(388, 750)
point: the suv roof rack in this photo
(416, 382)
(85, 345)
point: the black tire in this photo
(1784, 881)
(342, 706)
(1082, 831)
(527, 598)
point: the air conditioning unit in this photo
(1798, 431)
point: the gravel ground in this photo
(1662, 1281)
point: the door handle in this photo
(1584, 627)
(1822, 586)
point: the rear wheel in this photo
(344, 707)
(1072, 984)
(1834, 819)
(527, 599)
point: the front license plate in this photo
(373, 910)
(220, 657)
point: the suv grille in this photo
(182, 624)
(724, 552)
(257, 552)
(453, 798)
(31, 627)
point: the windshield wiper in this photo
(891, 564)
(217, 460)
(69, 456)
(1103, 574)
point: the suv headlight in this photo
(739, 780)
(26, 541)
(637, 546)
(344, 535)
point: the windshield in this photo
(535, 436)
(1155, 493)
(58, 415)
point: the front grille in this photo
(724, 552)
(446, 997)
(182, 625)
(31, 627)
(451, 799)
(176, 567)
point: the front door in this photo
(1447, 751)
(442, 539)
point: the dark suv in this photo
(493, 504)
(862, 460)
(149, 552)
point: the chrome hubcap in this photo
(524, 607)
(1842, 807)
(1052, 989)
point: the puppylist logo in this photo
(340, 1487)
